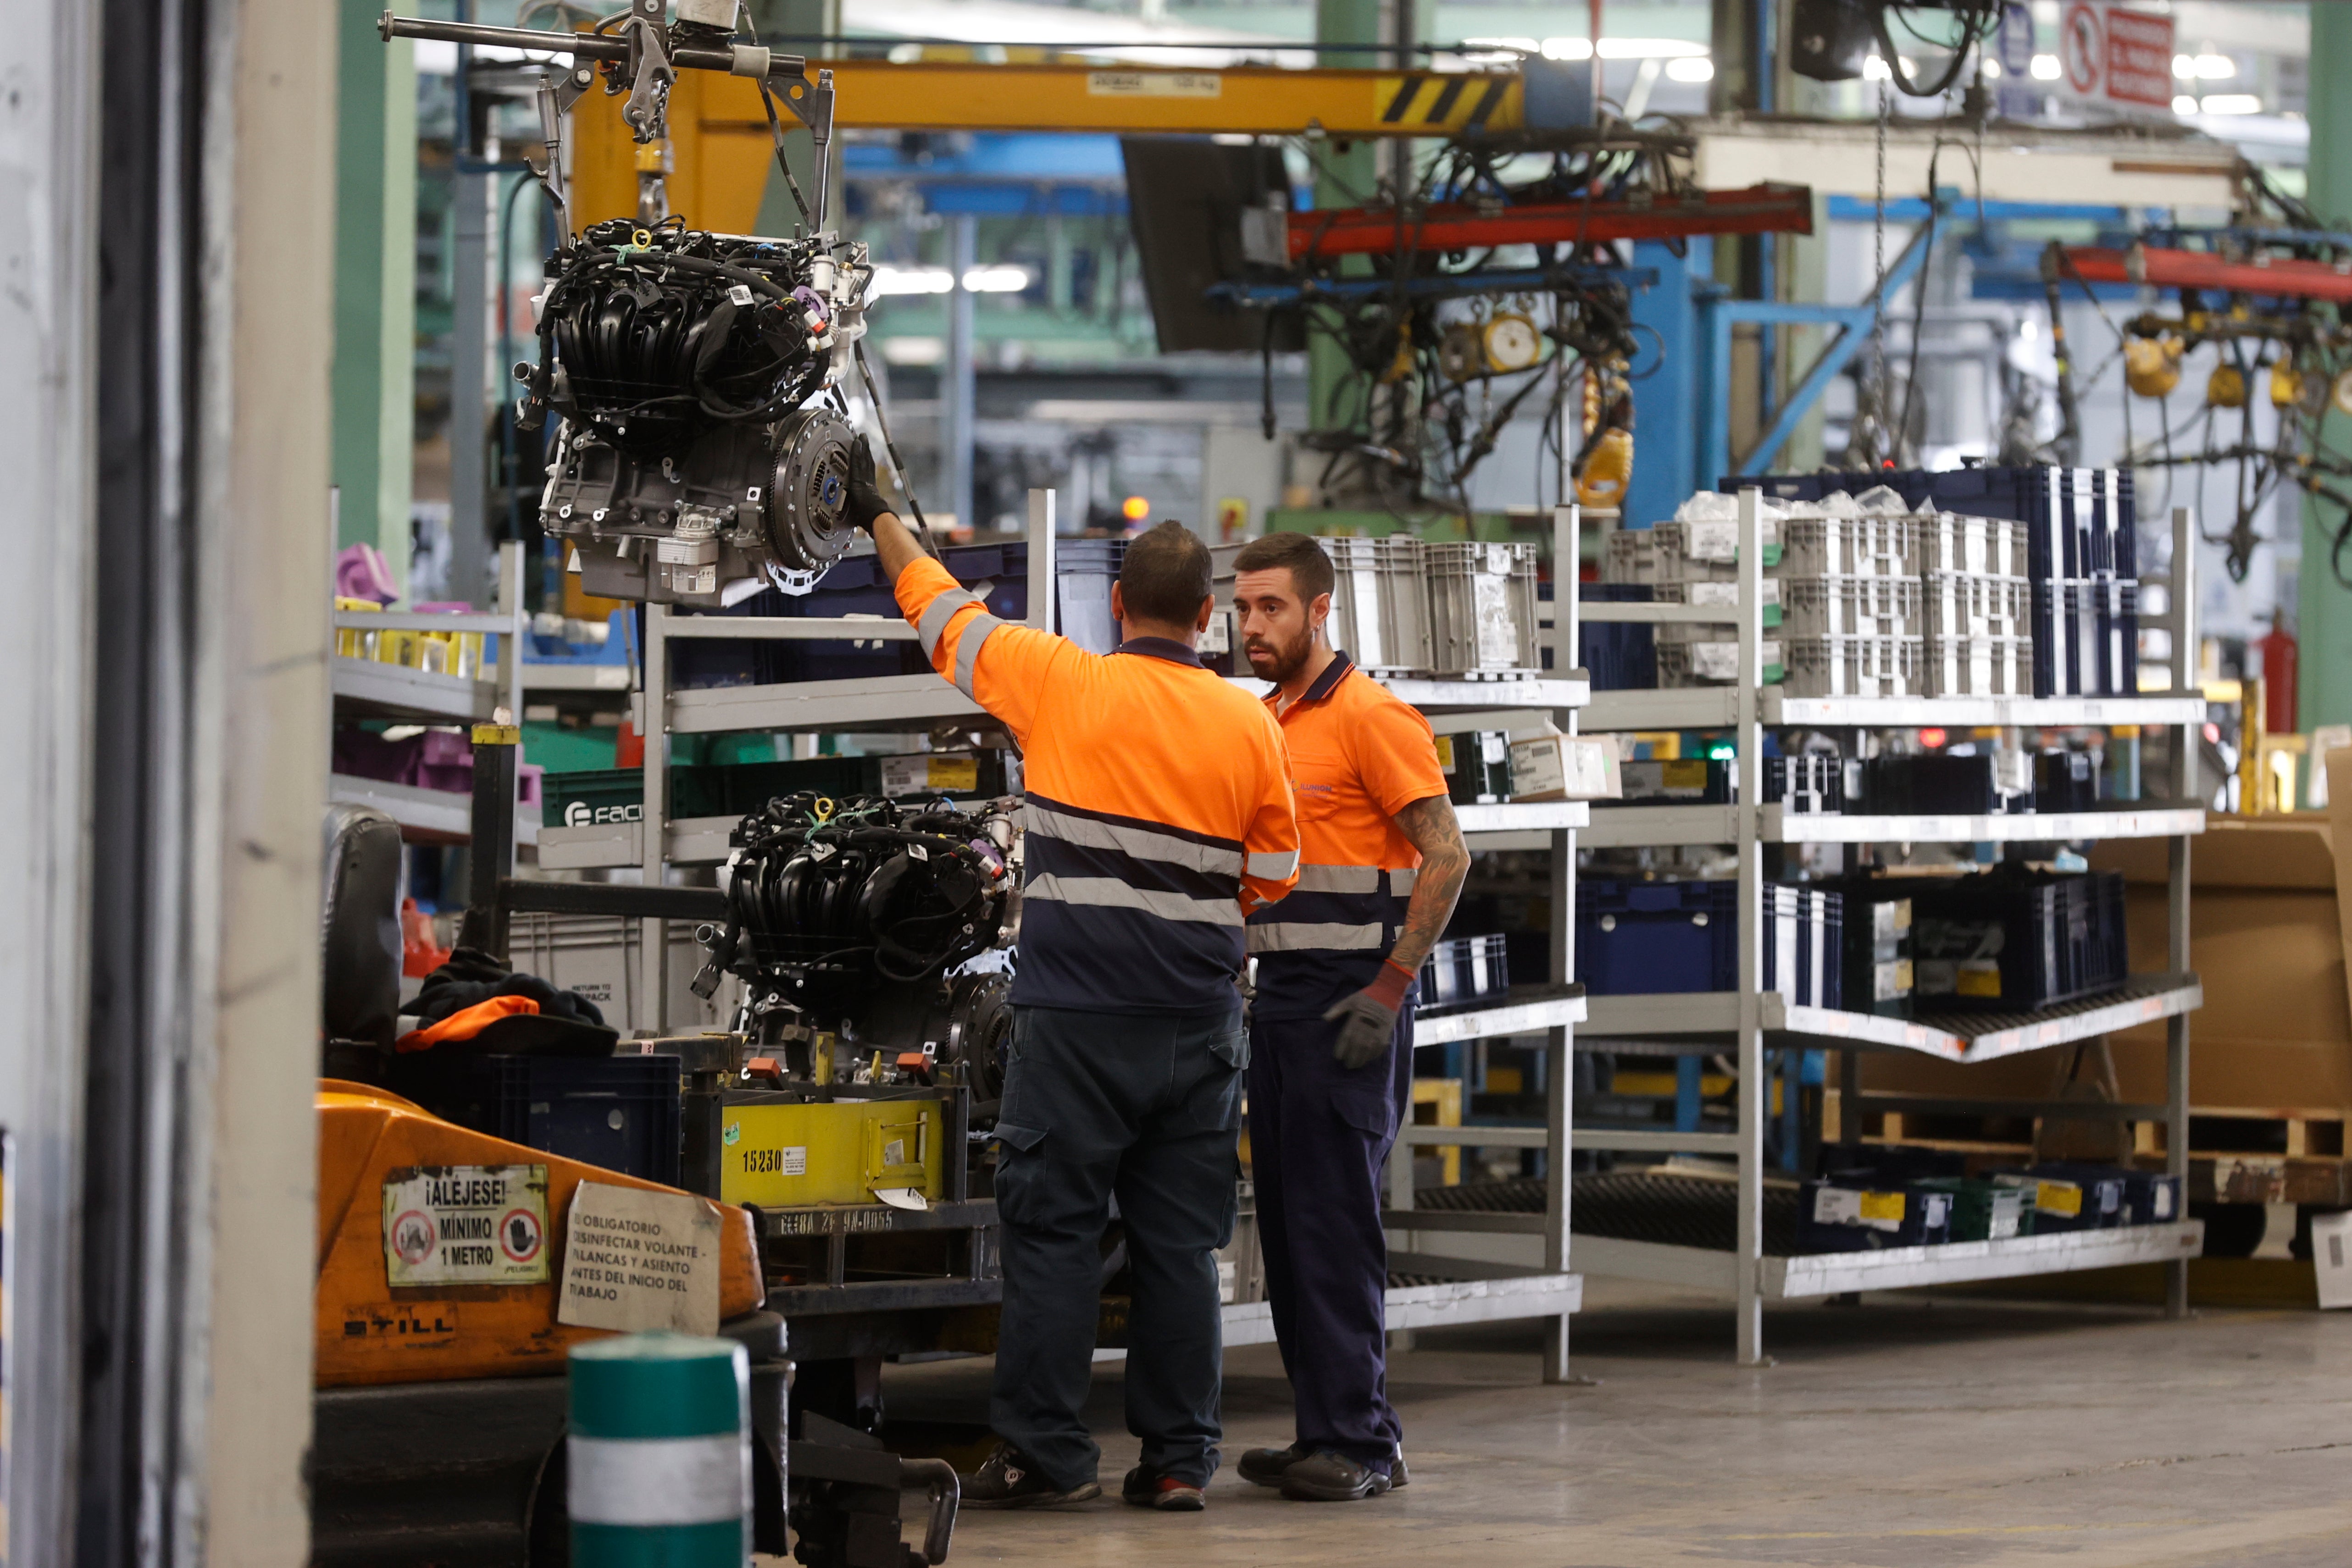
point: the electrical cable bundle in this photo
(651, 336)
(855, 888)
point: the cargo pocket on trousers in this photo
(1371, 1113)
(1018, 1177)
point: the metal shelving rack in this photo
(368, 688)
(1477, 1292)
(1758, 1021)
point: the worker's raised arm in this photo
(1270, 863)
(953, 624)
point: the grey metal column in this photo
(470, 254)
(1753, 1091)
(651, 1015)
(2182, 594)
(958, 388)
(1567, 534)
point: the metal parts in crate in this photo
(2014, 940)
(1715, 781)
(1879, 956)
(1464, 971)
(2078, 529)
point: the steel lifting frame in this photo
(1718, 315)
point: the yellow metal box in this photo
(788, 1155)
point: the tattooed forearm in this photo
(1444, 862)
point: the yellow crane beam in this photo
(1258, 101)
(719, 153)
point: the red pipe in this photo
(2285, 277)
(1354, 231)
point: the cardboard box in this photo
(1565, 768)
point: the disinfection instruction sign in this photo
(465, 1225)
(635, 1260)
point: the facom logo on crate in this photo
(581, 814)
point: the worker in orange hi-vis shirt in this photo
(1158, 817)
(1330, 1074)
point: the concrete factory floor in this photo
(1912, 1432)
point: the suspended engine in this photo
(692, 466)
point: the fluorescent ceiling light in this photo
(2046, 68)
(1690, 69)
(1991, 68)
(2184, 66)
(2184, 104)
(1874, 69)
(2215, 68)
(1001, 279)
(2231, 103)
(1624, 50)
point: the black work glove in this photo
(1367, 1018)
(866, 502)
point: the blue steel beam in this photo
(1853, 323)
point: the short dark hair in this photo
(1310, 567)
(1165, 576)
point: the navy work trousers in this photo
(1145, 1109)
(1319, 1133)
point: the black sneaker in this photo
(1008, 1479)
(1327, 1477)
(1266, 1466)
(1148, 1488)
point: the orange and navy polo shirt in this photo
(1357, 757)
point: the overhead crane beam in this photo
(1257, 101)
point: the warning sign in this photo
(635, 1260)
(2116, 55)
(465, 1225)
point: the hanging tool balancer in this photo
(702, 451)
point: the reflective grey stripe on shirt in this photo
(976, 631)
(1304, 936)
(1108, 892)
(1356, 879)
(1142, 842)
(1270, 866)
(938, 614)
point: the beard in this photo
(1278, 662)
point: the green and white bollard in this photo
(660, 1453)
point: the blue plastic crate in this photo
(1639, 938)
(1620, 656)
(619, 1112)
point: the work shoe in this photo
(1265, 1466)
(1148, 1488)
(1327, 1477)
(1397, 1477)
(1008, 1479)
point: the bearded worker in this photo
(1330, 1071)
